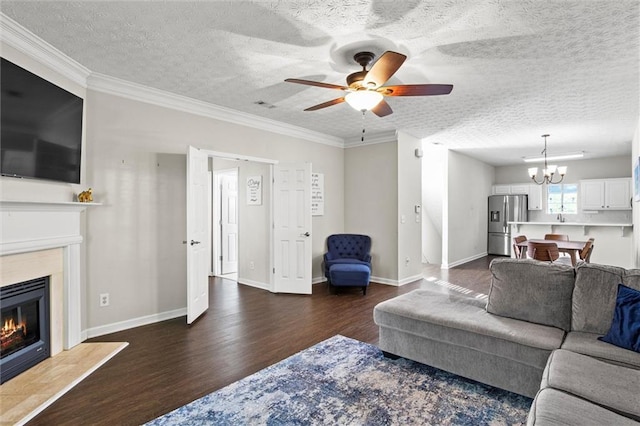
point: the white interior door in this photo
(197, 234)
(292, 228)
(229, 221)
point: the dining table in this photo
(572, 248)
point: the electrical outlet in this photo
(252, 266)
(104, 299)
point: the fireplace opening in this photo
(24, 326)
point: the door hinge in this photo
(274, 270)
(220, 257)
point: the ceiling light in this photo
(566, 156)
(548, 171)
(363, 100)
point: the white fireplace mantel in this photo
(30, 226)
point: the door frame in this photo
(240, 157)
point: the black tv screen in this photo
(41, 127)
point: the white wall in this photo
(254, 229)
(135, 164)
(409, 196)
(598, 168)
(433, 186)
(469, 185)
(371, 203)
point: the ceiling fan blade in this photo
(382, 109)
(383, 69)
(316, 83)
(416, 90)
(326, 104)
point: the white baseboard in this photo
(395, 283)
(463, 261)
(252, 283)
(319, 280)
(134, 322)
(409, 279)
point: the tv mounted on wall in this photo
(41, 127)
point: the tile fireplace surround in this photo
(43, 239)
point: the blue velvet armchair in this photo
(347, 249)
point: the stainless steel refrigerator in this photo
(504, 209)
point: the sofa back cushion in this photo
(533, 291)
(594, 297)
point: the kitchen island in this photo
(613, 243)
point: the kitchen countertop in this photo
(585, 225)
(556, 223)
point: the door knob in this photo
(193, 243)
(306, 234)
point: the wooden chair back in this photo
(585, 253)
(546, 252)
(519, 253)
(556, 237)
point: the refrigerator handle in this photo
(505, 215)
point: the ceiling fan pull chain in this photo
(362, 138)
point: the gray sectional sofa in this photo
(536, 334)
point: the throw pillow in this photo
(625, 327)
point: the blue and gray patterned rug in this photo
(347, 382)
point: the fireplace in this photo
(24, 326)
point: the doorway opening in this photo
(225, 223)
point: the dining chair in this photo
(546, 252)
(585, 253)
(558, 237)
(519, 253)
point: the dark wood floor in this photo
(169, 364)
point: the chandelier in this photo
(548, 171)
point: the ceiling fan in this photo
(365, 88)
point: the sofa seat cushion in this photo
(529, 290)
(463, 321)
(588, 344)
(553, 407)
(611, 386)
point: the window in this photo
(562, 198)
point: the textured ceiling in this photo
(519, 68)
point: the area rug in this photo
(347, 382)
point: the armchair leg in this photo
(364, 290)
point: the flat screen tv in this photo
(41, 127)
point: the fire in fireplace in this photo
(24, 326)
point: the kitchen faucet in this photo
(560, 218)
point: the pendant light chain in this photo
(362, 137)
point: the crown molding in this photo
(138, 92)
(376, 138)
(23, 40)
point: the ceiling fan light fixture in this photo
(363, 100)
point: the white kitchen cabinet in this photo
(520, 189)
(535, 197)
(534, 192)
(501, 189)
(605, 194)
